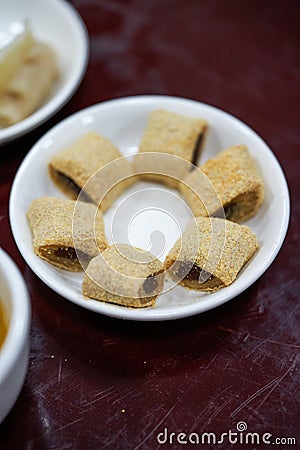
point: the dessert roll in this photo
(174, 134)
(85, 165)
(124, 275)
(237, 183)
(66, 233)
(211, 253)
(29, 86)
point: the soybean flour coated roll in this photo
(66, 233)
(237, 183)
(173, 134)
(211, 253)
(124, 275)
(85, 165)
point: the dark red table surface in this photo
(100, 383)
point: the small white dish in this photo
(57, 23)
(122, 121)
(14, 352)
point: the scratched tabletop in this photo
(100, 383)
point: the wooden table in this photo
(100, 383)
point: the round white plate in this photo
(57, 23)
(122, 121)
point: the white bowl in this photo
(123, 121)
(14, 352)
(59, 24)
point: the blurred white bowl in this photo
(14, 351)
(57, 23)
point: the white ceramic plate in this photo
(57, 23)
(122, 121)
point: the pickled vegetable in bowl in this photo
(28, 70)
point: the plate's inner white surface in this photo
(149, 216)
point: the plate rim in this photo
(153, 314)
(58, 101)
